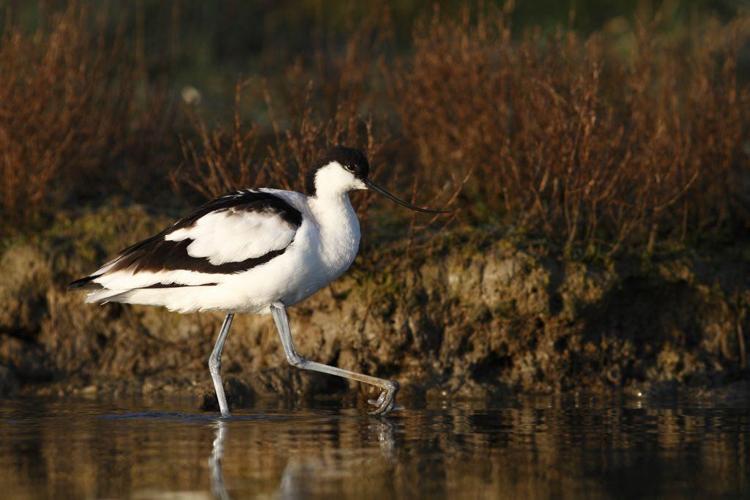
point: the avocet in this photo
(255, 251)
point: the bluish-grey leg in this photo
(389, 388)
(214, 364)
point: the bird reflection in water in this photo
(296, 477)
(314, 475)
(385, 433)
(214, 461)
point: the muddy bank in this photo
(470, 316)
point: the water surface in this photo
(521, 448)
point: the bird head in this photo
(345, 169)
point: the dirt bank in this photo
(472, 315)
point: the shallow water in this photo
(516, 449)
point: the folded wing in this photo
(229, 235)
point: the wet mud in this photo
(466, 316)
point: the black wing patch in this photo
(157, 254)
(165, 255)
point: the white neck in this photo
(339, 229)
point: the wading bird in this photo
(255, 251)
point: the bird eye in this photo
(349, 168)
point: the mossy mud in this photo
(471, 315)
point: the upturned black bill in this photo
(401, 202)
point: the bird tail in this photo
(97, 293)
(106, 295)
(86, 283)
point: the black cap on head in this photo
(355, 162)
(351, 159)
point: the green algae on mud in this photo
(469, 314)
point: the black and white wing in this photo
(229, 235)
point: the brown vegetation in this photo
(615, 141)
(310, 107)
(61, 111)
(229, 157)
(568, 136)
(598, 144)
(68, 113)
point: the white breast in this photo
(339, 233)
